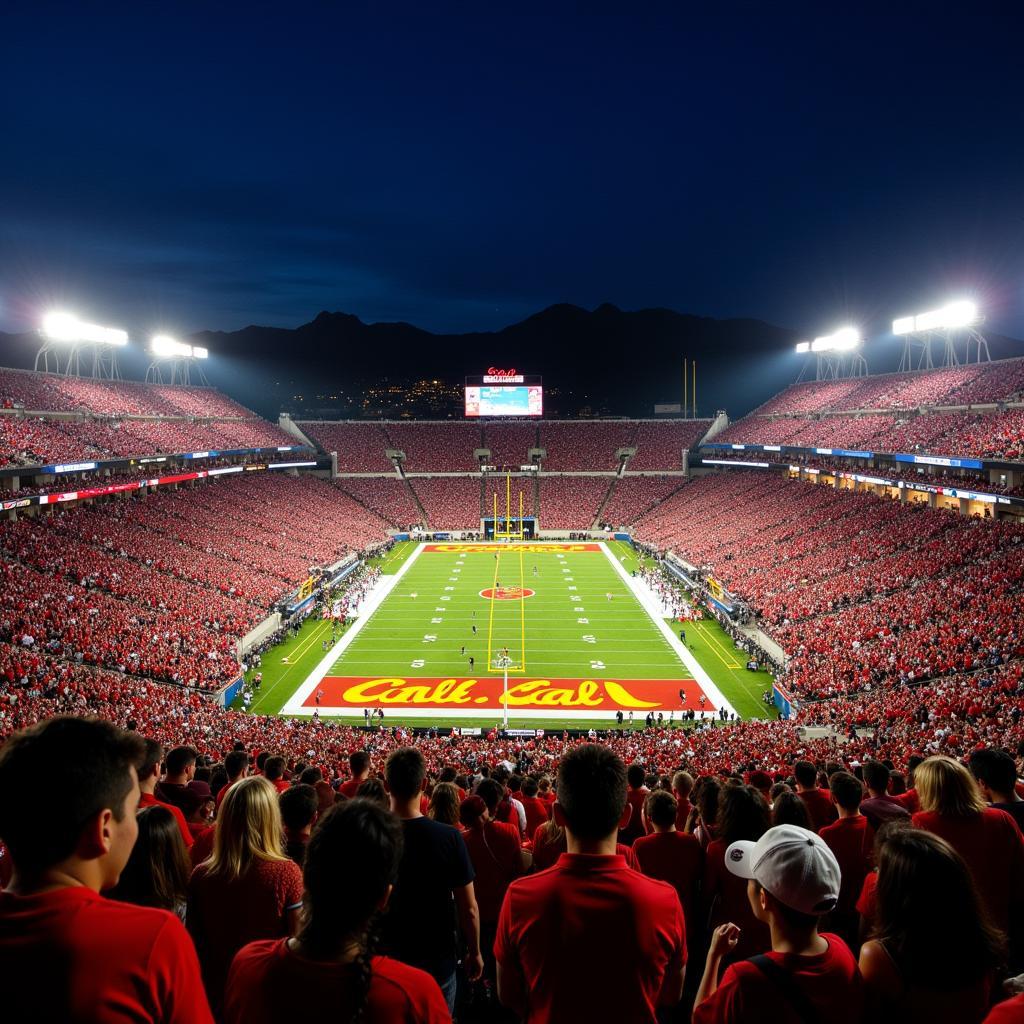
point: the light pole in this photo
(503, 661)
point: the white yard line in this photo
(373, 601)
(653, 609)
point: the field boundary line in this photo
(374, 600)
(697, 670)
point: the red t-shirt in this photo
(202, 847)
(909, 801)
(1011, 1011)
(348, 789)
(683, 808)
(820, 808)
(830, 981)
(537, 812)
(497, 859)
(71, 955)
(148, 800)
(850, 839)
(993, 848)
(280, 785)
(223, 916)
(592, 939)
(867, 902)
(547, 851)
(676, 858)
(635, 827)
(223, 792)
(268, 984)
(726, 896)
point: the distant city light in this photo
(67, 327)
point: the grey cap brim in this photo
(738, 858)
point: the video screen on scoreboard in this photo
(527, 400)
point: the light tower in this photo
(838, 355)
(184, 359)
(954, 323)
(65, 334)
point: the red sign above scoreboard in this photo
(495, 375)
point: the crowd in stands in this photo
(571, 502)
(509, 442)
(632, 496)
(974, 384)
(584, 445)
(436, 447)
(212, 879)
(360, 446)
(660, 443)
(450, 502)
(388, 496)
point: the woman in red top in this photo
(743, 814)
(327, 971)
(989, 840)
(933, 954)
(248, 889)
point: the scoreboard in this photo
(504, 393)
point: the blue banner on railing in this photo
(784, 702)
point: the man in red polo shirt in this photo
(590, 939)
(66, 953)
(359, 764)
(818, 802)
(682, 787)
(670, 855)
(149, 776)
(851, 839)
(636, 794)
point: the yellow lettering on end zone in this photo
(540, 693)
(398, 691)
(622, 696)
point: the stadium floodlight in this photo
(843, 340)
(802, 347)
(163, 346)
(963, 313)
(67, 327)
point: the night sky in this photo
(196, 166)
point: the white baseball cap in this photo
(794, 864)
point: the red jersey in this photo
(148, 800)
(867, 902)
(268, 983)
(71, 955)
(635, 826)
(676, 858)
(497, 859)
(224, 916)
(909, 801)
(726, 896)
(1011, 1011)
(683, 808)
(586, 920)
(993, 848)
(820, 808)
(830, 981)
(348, 789)
(851, 840)
(202, 847)
(537, 812)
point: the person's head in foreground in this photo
(591, 803)
(91, 764)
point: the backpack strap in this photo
(783, 981)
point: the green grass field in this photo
(567, 633)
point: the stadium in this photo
(506, 693)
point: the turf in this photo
(543, 633)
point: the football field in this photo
(580, 640)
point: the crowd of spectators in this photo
(585, 445)
(388, 496)
(632, 496)
(436, 447)
(660, 443)
(571, 502)
(450, 502)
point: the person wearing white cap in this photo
(793, 879)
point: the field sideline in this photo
(579, 623)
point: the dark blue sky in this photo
(186, 166)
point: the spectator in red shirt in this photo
(909, 799)
(988, 840)
(743, 815)
(359, 765)
(537, 812)
(273, 769)
(818, 802)
(66, 953)
(248, 889)
(789, 809)
(851, 839)
(158, 869)
(179, 771)
(299, 808)
(149, 777)
(670, 855)
(933, 954)
(682, 787)
(328, 971)
(880, 808)
(636, 794)
(792, 880)
(236, 764)
(590, 915)
(996, 775)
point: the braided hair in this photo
(357, 839)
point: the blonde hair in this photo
(948, 788)
(444, 804)
(248, 829)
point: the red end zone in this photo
(579, 695)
